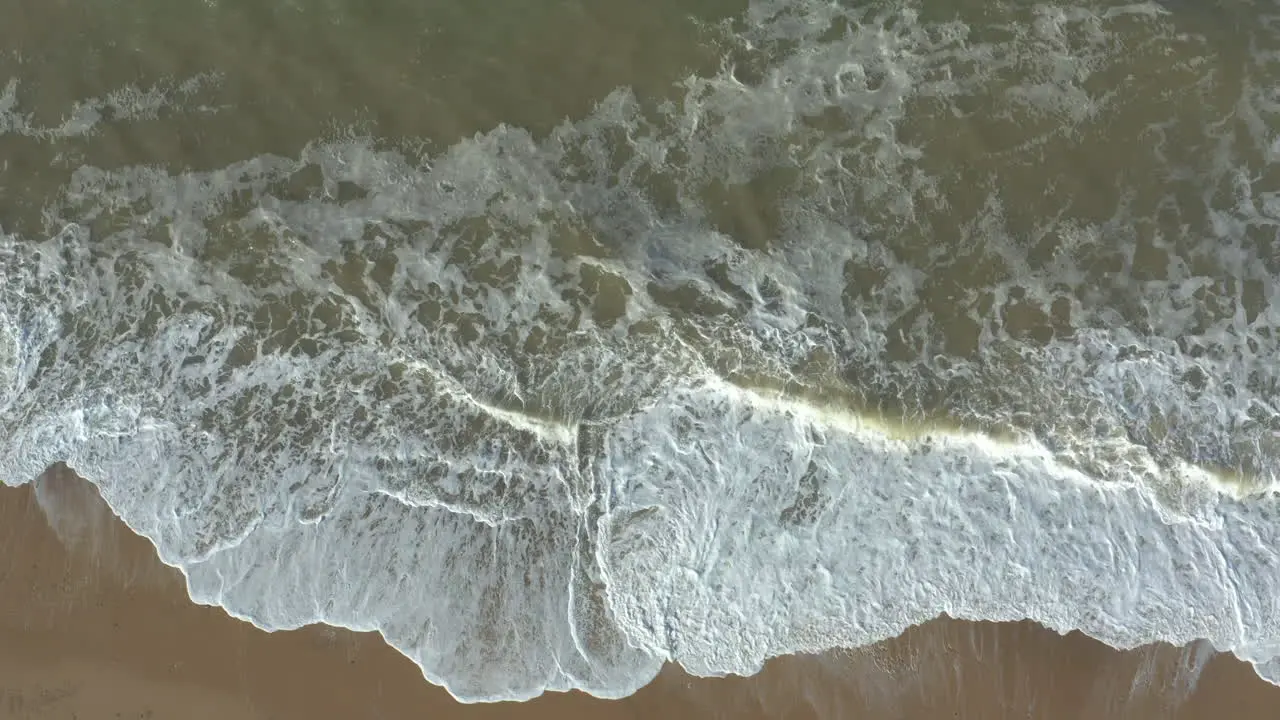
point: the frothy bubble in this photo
(8, 360)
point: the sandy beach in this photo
(92, 625)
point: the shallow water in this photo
(558, 343)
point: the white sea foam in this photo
(533, 413)
(125, 104)
(9, 344)
(870, 534)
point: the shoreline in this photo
(92, 624)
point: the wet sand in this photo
(92, 625)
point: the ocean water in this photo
(557, 342)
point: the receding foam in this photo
(8, 359)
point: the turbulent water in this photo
(558, 343)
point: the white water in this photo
(519, 410)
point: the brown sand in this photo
(92, 626)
